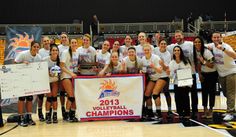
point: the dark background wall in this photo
(65, 11)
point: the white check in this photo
(18, 80)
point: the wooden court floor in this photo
(114, 128)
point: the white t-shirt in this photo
(86, 54)
(225, 65)
(164, 56)
(116, 69)
(130, 65)
(207, 56)
(123, 51)
(26, 56)
(187, 47)
(174, 66)
(70, 63)
(139, 50)
(150, 71)
(61, 49)
(102, 59)
(43, 52)
(50, 63)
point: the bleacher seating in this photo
(231, 40)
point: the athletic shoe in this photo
(48, 118)
(40, 115)
(228, 117)
(22, 121)
(169, 114)
(54, 117)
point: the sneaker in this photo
(150, 113)
(54, 117)
(48, 118)
(30, 120)
(22, 121)
(40, 115)
(158, 113)
(209, 114)
(169, 114)
(66, 116)
(228, 117)
(72, 117)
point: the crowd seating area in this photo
(117, 31)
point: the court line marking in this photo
(218, 131)
(8, 130)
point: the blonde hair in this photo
(87, 36)
(147, 45)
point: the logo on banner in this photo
(19, 43)
(108, 88)
(4, 69)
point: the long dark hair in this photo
(182, 57)
(201, 51)
(32, 43)
(58, 59)
(70, 50)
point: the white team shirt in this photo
(115, 70)
(225, 65)
(187, 47)
(130, 65)
(207, 55)
(123, 51)
(61, 49)
(150, 71)
(174, 66)
(70, 63)
(86, 54)
(164, 56)
(139, 50)
(102, 59)
(43, 52)
(50, 63)
(26, 56)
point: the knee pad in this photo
(156, 96)
(72, 99)
(167, 94)
(22, 98)
(147, 97)
(41, 96)
(54, 99)
(62, 93)
(49, 99)
(29, 98)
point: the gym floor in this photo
(119, 128)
